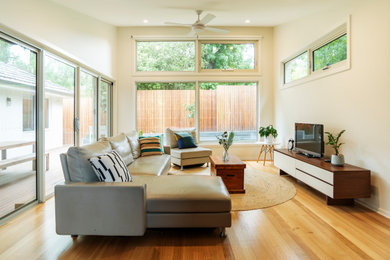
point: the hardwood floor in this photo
(302, 228)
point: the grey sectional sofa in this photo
(154, 199)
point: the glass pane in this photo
(58, 115)
(331, 53)
(166, 56)
(18, 126)
(162, 105)
(104, 106)
(88, 86)
(227, 107)
(296, 68)
(228, 56)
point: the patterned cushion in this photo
(150, 145)
(121, 145)
(110, 168)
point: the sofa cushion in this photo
(170, 193)
(132, 136)
(150, 145)
(171, 137)
(79, 168)
(121, 144)
(110, 167)
(190, 152)
(150, 165)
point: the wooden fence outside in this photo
(228, 107)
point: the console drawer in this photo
(317, 184)
(322, 174)
(285, 163)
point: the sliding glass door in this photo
(88, 107)
(59, 107)
(104, 111)
(18, 126)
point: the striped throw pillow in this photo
(110, 168)
(150, 146)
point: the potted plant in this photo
(269, 133)
(337, 158)
(226, 140)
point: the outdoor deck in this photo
(18, 183)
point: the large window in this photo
(227, 56)
(88, 99)
(59, 116)
(203, 98)
(227, 106)
(326, 56)
(18, 113)
(162, 105)
(165, 56)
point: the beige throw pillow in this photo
(120, 144)
(132, 136)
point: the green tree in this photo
(330, 53)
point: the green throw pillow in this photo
(186, 142)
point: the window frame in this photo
(215, 39)
(343, 29)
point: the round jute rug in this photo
(262, 189)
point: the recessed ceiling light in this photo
(146, 20)
(247, 21)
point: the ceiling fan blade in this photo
(207, 19)
(192, 33)
(179, 24)
(212, 29)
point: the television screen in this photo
(309, 139)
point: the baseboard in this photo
(380, 211)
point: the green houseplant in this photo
(333, 140)
(268, 132)
(226, 140)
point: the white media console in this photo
(340, 184)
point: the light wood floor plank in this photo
(302, 228)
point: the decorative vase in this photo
(337, 160)
(225, 155)
(269, 139)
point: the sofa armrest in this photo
(109, 209)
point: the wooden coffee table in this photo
(231, 172)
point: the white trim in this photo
(338, 67)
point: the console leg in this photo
(222, 232)
(348, 202)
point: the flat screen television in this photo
(309, 139)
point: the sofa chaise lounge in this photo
(153, 199)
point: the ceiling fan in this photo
(200, 24)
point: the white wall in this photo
(357, 100)
(86, 39)
(125, 102)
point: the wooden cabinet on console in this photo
(340, 184)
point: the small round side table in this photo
(266, 147)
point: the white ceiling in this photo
(228, 12)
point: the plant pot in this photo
(337, 160)
(269, 139)
(225, 156)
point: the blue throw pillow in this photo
(186, 142)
